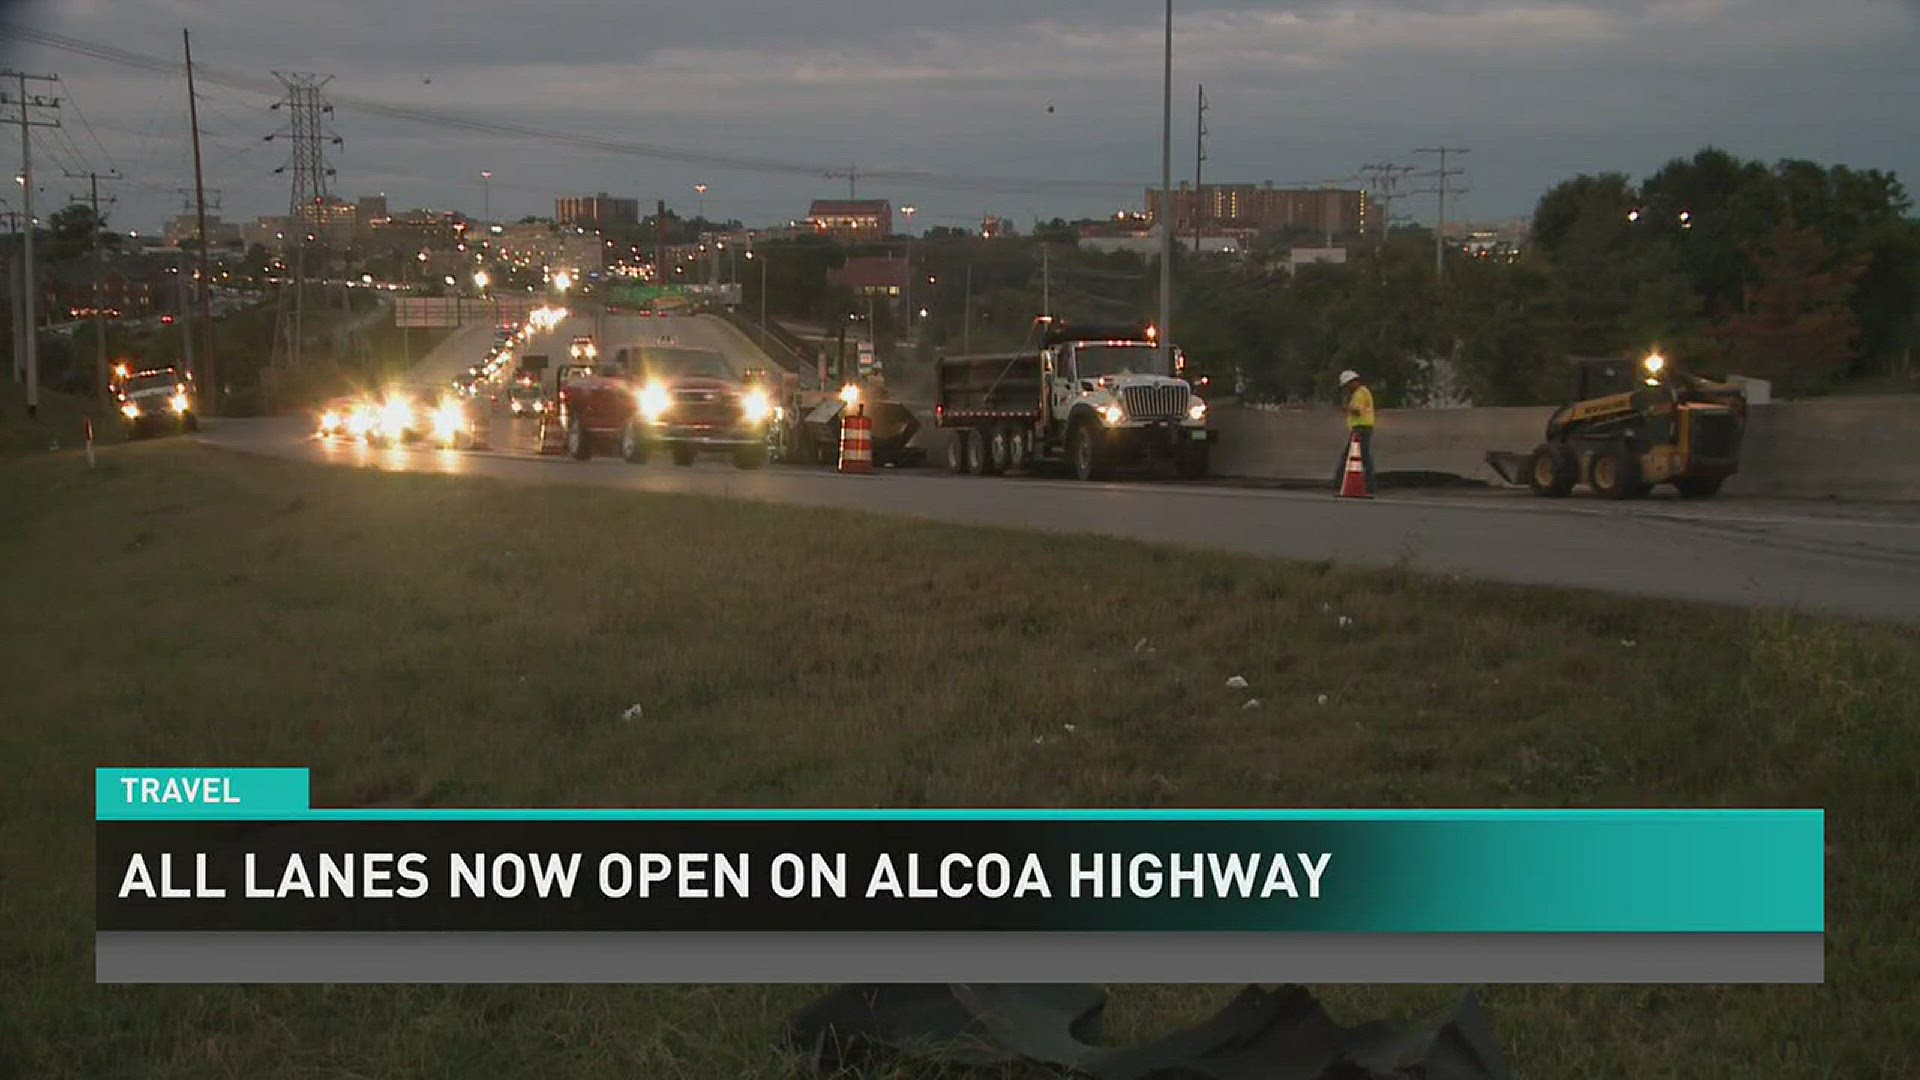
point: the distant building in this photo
(184, 229)
(1332, 211)
(872, 275)
(602, 211)
(1315, 256)
(535, 247)
(371, 212)
(992, 228)
(852, 220)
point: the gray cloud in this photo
(1300, 91)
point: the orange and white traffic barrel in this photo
(856, 442)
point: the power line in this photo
(77, 112)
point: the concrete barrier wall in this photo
(1858, 448)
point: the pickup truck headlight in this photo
(130, 410)
(179, 403)
(1113, 414)
(654, 402)
(396, 418)
(755, 406)
(329, 423)
(449, 421)
(1197, 411)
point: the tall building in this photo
(852, 220)
(1335, 211)
(600, 211)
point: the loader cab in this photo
(1605, 377)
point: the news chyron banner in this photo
(233, 876)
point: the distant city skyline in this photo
(1001, 107)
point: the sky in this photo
(1020, 108)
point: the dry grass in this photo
(430, 641)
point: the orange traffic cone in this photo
(553, 439)
(856, 442)
(1353, 485)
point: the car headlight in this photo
(449, 420)
(1113, 414)
(361, 420)
(1197, 411)
(396, 418)
(654, 402)
(755, 406)
(179, 403)
(330, 421)
(130, 410)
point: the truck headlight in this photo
(1197, 411)
(130, 411)
(1112, 414)
(179, 403)
(361, 420)
(396, 418)
(329, 423)
(654, 402)
(755, 406)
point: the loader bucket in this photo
(1513, 468)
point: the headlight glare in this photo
(130, 411)
(654, 402)
(1197, 411)
(1113, 414)
(755, 406)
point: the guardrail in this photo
(774, 341)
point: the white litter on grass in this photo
(1252, 703)
(1140, 646)
(1326, 609)
(1345, 622)
(1628, 643)
(1070, 729)
(633, 713)
(1322, 699)
(1236, 683)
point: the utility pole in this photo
(306, 130)
(1166, 204)
(852, 175)
(210, 391)
(15, 279)
(27, 103)
(660, 242)
(99, 271)
(966, 313)
(1384, 180)
(1445, 176)
(1046, 280)
(1199, 158)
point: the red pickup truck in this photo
(592, 407)
(690, 404)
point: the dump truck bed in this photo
(997, 386)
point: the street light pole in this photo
(1166, 205)
(486, 196)
(908, 211)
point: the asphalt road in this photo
(1821, 558)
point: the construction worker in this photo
(1359, 423)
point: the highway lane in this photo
(1858, 561)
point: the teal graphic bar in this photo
(191, 794)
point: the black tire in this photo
(1022, 450)
(1698, 487)
(633, 444)
(979, 455)
(957, 450)
(1084, 450)
(750, 457)
(579, 445)
(1552, 472)
(189, 423)
(1000, 452)
(683, 455)
(1615, 473)
(1194, 464)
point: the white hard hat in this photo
(1348, 376)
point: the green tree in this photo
(1795, 325)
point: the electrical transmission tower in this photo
(1443, 188)
(851, 174)
(1199, 160)
(1383, 181)
(307, 131)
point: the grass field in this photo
(430, 641)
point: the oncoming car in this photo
(396, 419)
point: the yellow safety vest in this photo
(1360, 409)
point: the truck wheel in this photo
(1698, 487)
(1088, 456)
(957, 450)
(1616, 473)
(1552, 471)
(979, 455)
(1194, 464)
(750, 457)
(1022, 450)
(1000, 452)
(578, 444)
(189, 422)
(633, 444)
(683, 455)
